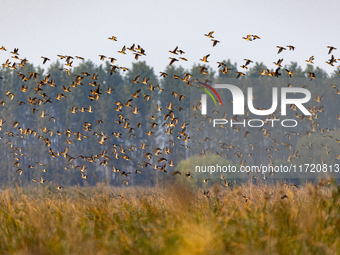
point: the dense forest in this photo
(99, 123)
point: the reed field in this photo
(172, 219)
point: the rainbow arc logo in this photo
(209, 93)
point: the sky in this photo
(47, 28)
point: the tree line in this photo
(41, 136)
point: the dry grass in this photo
(170, 220)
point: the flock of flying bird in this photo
(170, 118)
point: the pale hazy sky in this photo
(47, 28)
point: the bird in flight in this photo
(174, 51)
(215, 42)
(239, 74)
(113, 38)
(123, 50)
(15, 51)
(310, 60)
(172, 60)
(248, 38)
(210, 34)
(289, 72)
(291, 47)
(331, 48)
(280, 49)
(40, 181)
(205, 58)
(45, 59)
